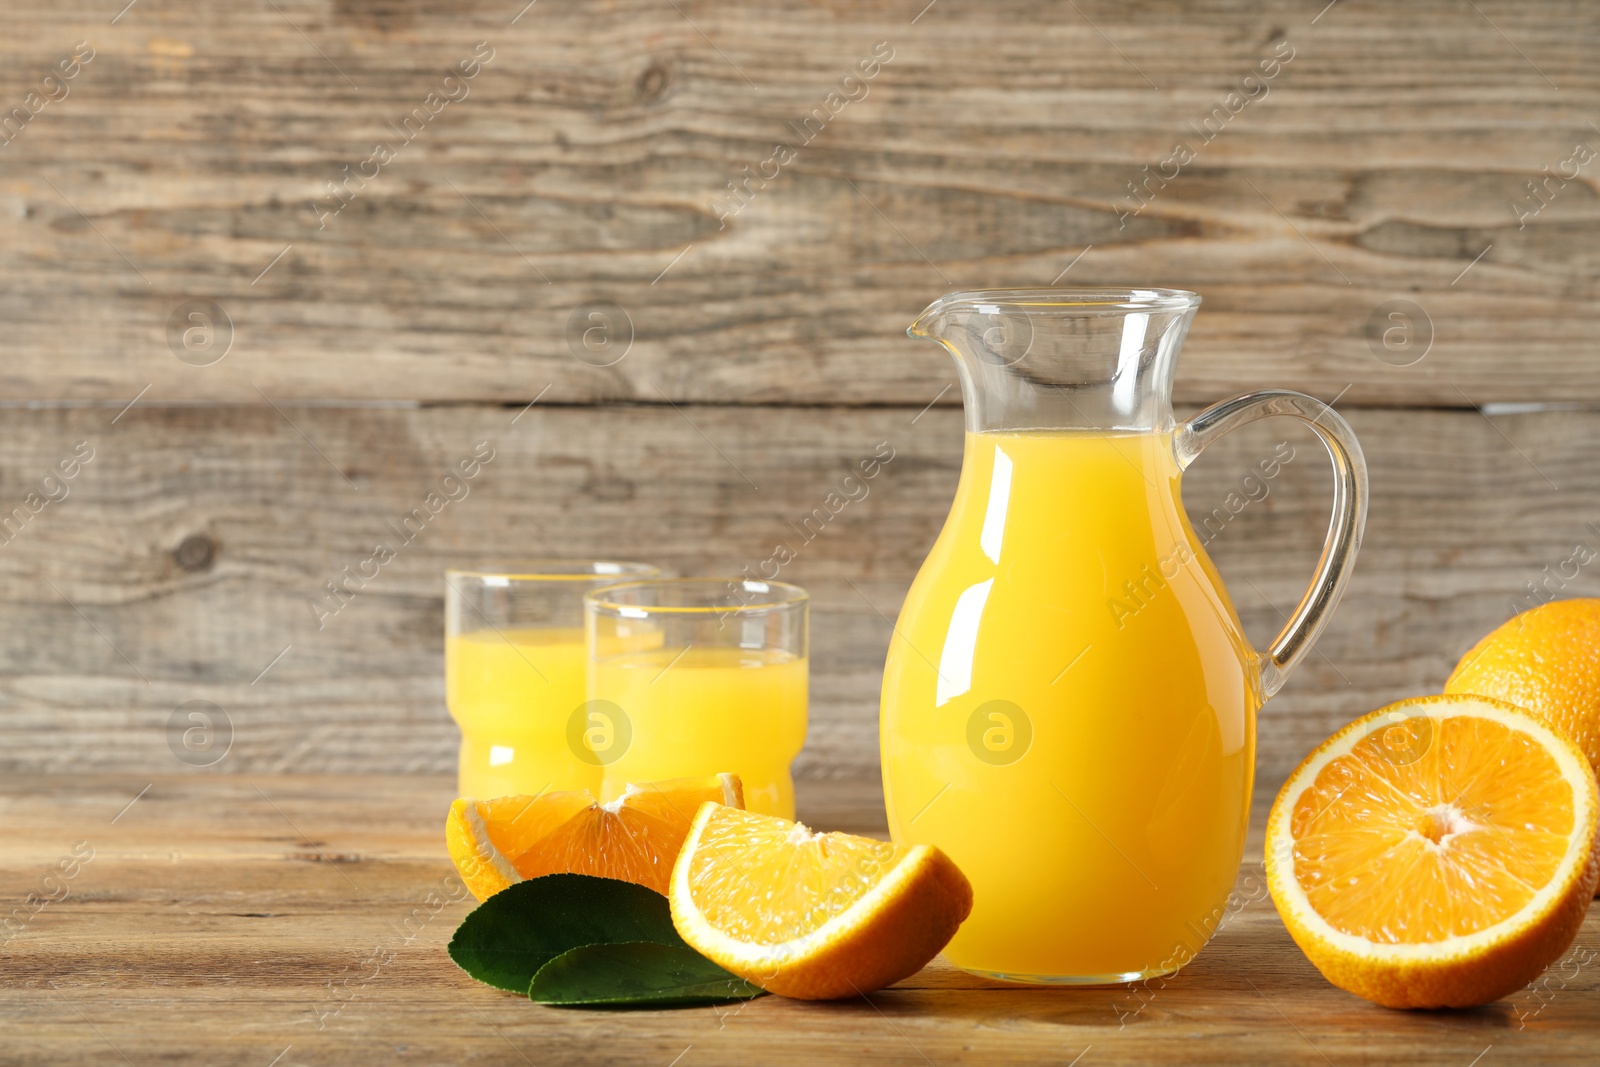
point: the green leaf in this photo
(505, 940)
(636, 973)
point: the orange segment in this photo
(1438, 852)
(812, 915)
(636, 837)
(482, 835)
(768, 880)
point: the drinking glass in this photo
(698, 676)
(514, 671)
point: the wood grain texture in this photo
(187, 553)
(229, 913)
(234, 919)
(590, 157)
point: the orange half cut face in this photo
(1430, 837)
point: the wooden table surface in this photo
(279, 920)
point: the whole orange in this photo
(1546, 660)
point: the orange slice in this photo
(496, 843)
(1436, 853)
(810, 915)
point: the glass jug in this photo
(1069, 701)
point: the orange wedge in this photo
(496, 843)
(810, 915)
(1439, 852)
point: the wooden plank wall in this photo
(581, 159)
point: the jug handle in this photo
(1345, 526)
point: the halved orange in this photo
(812, 915)
(496, 843)
(1439, 852)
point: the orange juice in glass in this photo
(1069, 700)
(515, 672)
(696, 676)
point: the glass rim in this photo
(784, 596)
(554, 569)
(1069, 301)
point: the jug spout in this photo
(1067, 359)
(928, 324)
